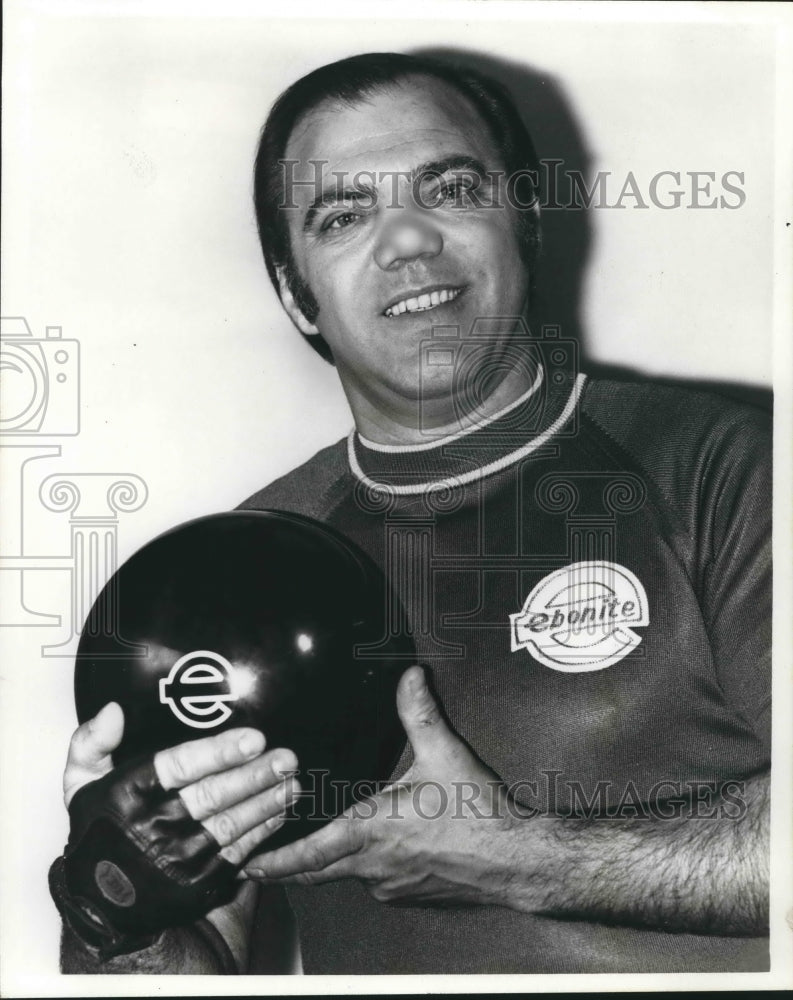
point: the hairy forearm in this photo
(702, 875)
(183, 950)
(178, 951)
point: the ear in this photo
(291, 307)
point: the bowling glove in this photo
(136, 862)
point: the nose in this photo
(406, 238)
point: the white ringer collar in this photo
(440, 442)
(451, 482)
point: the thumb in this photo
(105, 730)
(425, 726)
(90, 749)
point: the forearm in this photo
(182, 950)
(702, 875)
(219, 949)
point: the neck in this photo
(514, 433)
(405, 425)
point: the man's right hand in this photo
(227, 783)
(144, 835)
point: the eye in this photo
(452, 192)
(341, 221)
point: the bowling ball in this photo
(254, 618)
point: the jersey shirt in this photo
(587, 576)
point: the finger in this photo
(421, 716)
(236, 853)
(189, 762)
(90, 749)
(333, 842)
(239, 850)
(217, 792)
(97, 738)
(346, 867)
(228, 826)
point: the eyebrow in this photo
(332, 195)
(459, 161)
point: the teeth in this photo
(422, 302)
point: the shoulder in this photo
(676, 426)
(705, 459)
(306, 489)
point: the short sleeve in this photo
(736, 503)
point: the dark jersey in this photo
(588, 577)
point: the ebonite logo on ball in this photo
(198, 688)
(579, 617)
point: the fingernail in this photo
(251, 743)
(283, 768)
(417, 680)
(286, 790)
(275, 823)
(254, 872)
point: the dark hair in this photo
(349, 81)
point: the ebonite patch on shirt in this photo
(579, 617)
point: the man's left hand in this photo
(442, 835)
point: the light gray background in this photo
(127, 221)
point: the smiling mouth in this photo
(421, 303)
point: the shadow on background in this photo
(567, 234)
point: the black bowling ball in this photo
(254, 618)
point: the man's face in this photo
(385, 269)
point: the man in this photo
(585, 567)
